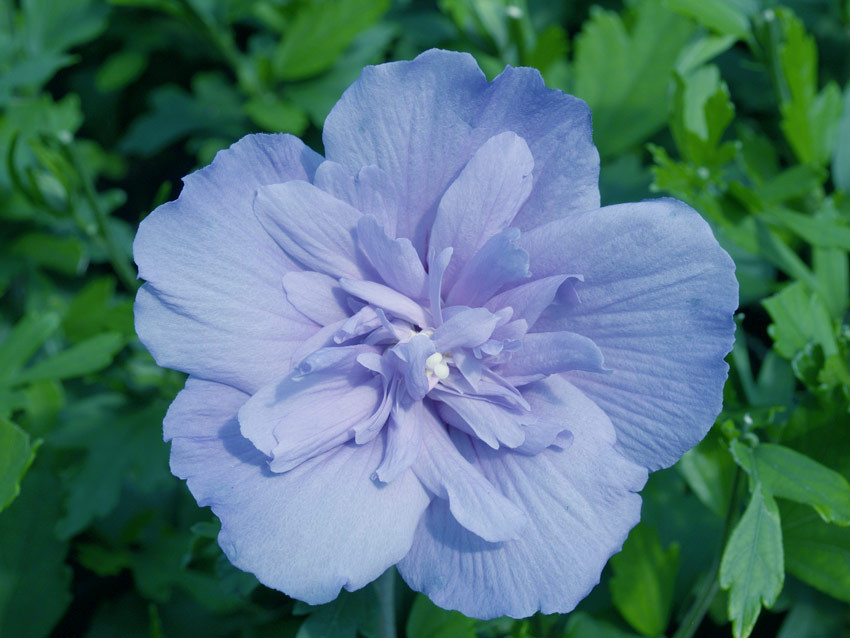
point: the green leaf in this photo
(718, 15)
(16, 455)
(636, 64)
(841, 156)
(709, 469)
(816, 552)
(23, 341)
(318, 96)
(798, 318)
(120, 70)
(65, 255)
(122, 442)
(213, 107)
(788, 474)
(276, 114)
(34, 580)
(88, 356)
(701, 112)
(344, 616)
(752, 568)
(643, 581)
(809, 119)
(426, 620)
(583, 625)
(320, 31)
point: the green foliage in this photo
(643, 581)
(753, 567)
(738, 107)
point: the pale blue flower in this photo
(431, 349)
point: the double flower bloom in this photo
(396, 355)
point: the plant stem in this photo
(697, 611)
(120, 263)
(386, 596)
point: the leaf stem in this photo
(386, 597)
(123, 268)
(702, 602)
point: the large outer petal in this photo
(308, 532)
(580, 505)
(657, 298)
(213, 304)
(421, 121)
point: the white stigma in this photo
(435, 364)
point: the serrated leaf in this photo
(320, 32)
(643, 580)
(809, 118)
(16, 455)
(798, 318)
(788, 474)
(816, 552)
(702, 110)
(752, 568)
(426, 620)
(88, 356)
(34, 580)
(636, 64)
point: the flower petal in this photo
(421, 141)
(472, 499)
(658, 298)
(498, 263)
(213, 304)
(492, 423)
(316, 296)
(448, 112)
(557, 128)
(294, 531)
(545, 353)
(579, 501)
(528, 300)
(313, 228)
(371, 191)
(313, 410)
(395, 259)
(469, 327)
(483, 200)
(404, 440)
(385, 297)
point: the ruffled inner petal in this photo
(316, 296)
(313, 410)
(472, 500)
(528, 300)
(483, 199)
(545, 353)
(497, 264)
(395, 259)
(371, 191)
(403, 440)
(313, 228)
(390, 300)
(492, 423)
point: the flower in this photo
(431, 349)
